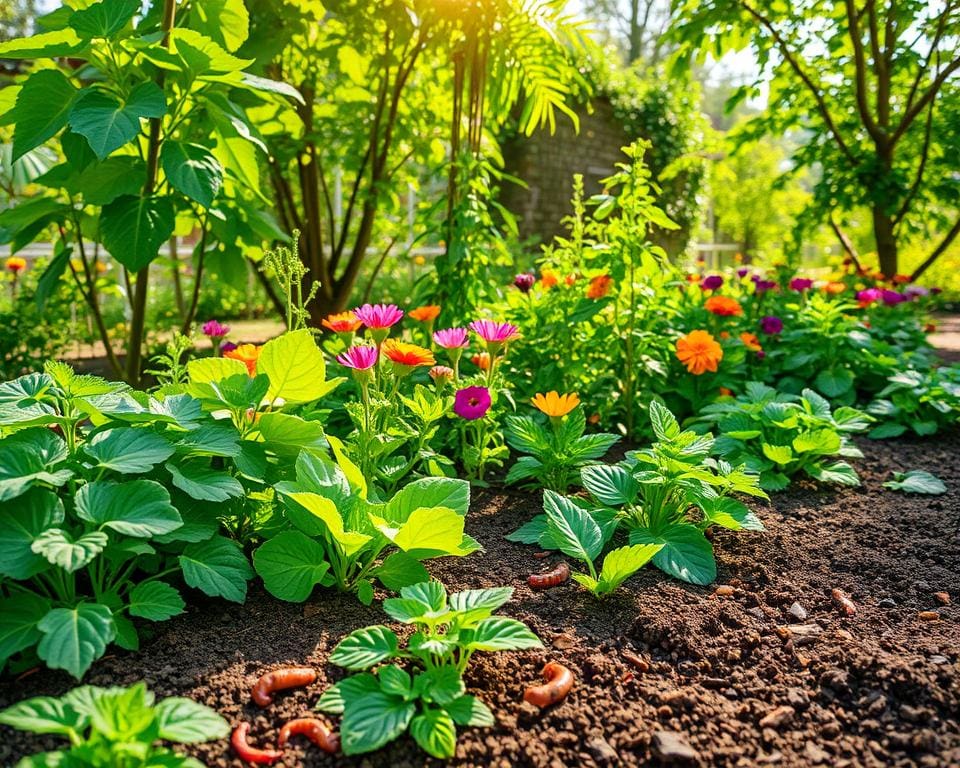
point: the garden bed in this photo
(877, 688)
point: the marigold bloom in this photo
(472, 403)
(599, 287)
(451, 338)
(426, 314)
(495, 333)
(481, 360)
(248, 354)
(835, 287)
(711, 282)
(801, 284)
(524, 282)
(554, 404)
(15, 264)
(215, 330)
(751, 342)
(723, 306)
(359, 358)
(548, 279)
(341, 322)
(407, 355)
(378, 316)
(771, 325)
(699, 352)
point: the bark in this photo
(886, 240)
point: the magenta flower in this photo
(771, 325)
(711, 282)
(801, 284)
(228, 346)
(359, 358)
(215, 330)
(495, 333)
(378, 316)
(762, 286)
(451, 338)
(892, 298)
(742, 272)
(471, 403)
(524, 282)
(869, 296)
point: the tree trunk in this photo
(886, 241)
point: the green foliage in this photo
(916, 481)
(921, 402)
(423, 691)
(780, 436)
(652, 495)
(108, 727)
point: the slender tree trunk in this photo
(886, 240)
(177, 282)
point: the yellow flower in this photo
(15, 264)
(248, 354)
(407, 355)
(700, 352)
(555, 405)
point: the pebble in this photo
(887, 602)
(928, 616)
(777, 717)
(724, 590)
(670, 745)
(942, 597)
(798, 612)
(938, 659)
(797, 698)
(563, 641)
(816, 755)
(602, 751)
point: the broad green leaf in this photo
(400, 570)
(133, 229)
(203, 483)
(431, 593)
(73, 638)
(620, 564)
(139, 508)
(352, 64)
(404, 609)
(887, 430)
(19, 617)
(435, 732)
(374, 720)
(486, 600)
(530, 532)
(46, 45)
(730, 513)
(44, 714)
(350, 689)
(394, 681)
(610, 484)
(664, 423)
(128, 450)
(109, 124)
(120, 714)
(295, 366)
(21, 522)
(211, 440)
(469, 710)
(192, 170)
(203, 56)
(155, 601)
(291, 565)
(451, 493)
(686, 555)
(324, 519)
(217, 568)
(428, 532)
(198, 523)
(499, 633)
(288, 435)
(780, 454)
(208, 369)
(103, 19)
(185, 721)
(226, 22)
(839, 472)
(365, 648)
(23, 465)
(572, 529)
(916, 481)
(42, 109)
(834, 383)
(825, 442)
(61, 550)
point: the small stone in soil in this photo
(928, 616)
(602, 751)
(777, 717)
(670, 746)
(942, 597)
(887, 602)
(724, 590)
(798, 612)
(563, 641)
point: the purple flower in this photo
(524, 282)
(869, 296)
(936, 290)
(762, 286)
(915, 291)
(471, 403)
(892, 298)
(228, 346)
(761, 354)
(451, 338)
(493, 332)
(711, 282)
(378, 316)
(359, 358)
(800, 284)
(771, 325)
(742, 272)
(215, 330)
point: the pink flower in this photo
(360, 358)
(215, 330)
(869, 295)
(378, 316)
(495, 333)
(524, 282)
(801, 284)
(471, 403)
(451, 338)
(228, 346)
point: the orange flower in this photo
(554, 404)
(594, 418)
(724, 335)
(425, 314)
(930, 328)
(700, 352)
(901, 278)
(408, 355)
(570, 279)
(692, 277)
(751, 342)
(599, 287)
(723, 306)
(835, 287)
(548, 279)
(342, 322)
(481, 360)
(724, 392)
(15, 264)
(248, 354)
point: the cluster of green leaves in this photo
(917, 401)
(554, 458)
(112, 727)
(423, 690)
(651, 495)
(916, 481)
(780, 435)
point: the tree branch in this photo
(938, 251)
(860, 70)
(915, 187)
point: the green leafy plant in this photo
(780, 435)
(916, 481)
(554, 457)
(917, 401)
(423, 690)
(653, 495)
(338, 537)
(114, 727)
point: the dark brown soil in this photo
(878, 688)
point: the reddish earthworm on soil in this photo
(557, 576)
(281, 679)
(315, 730)
(559, 682)
(844, 601)
(251, 754)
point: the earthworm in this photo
(315, 730)
(251, 754)
(559, 682)
(290, 677)
(844, 601)
(551, 578)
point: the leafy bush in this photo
(918, 401)
(111, 727)
(780, 435)
(427, 695)
(651, 495)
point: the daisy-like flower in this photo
(471, 403)
(494, 334)
(341, 322)
(751, 342)
(359, 358)
(555, 405)
(711, 282)
(524, 282)
(248, 354)
(451, 338)
(771, 325)
(215, 330)
(379, 319)
(699, 352)
(15, 264)
(599, 287)
(426, 314)
(723, 306)
(801, 284)
(405, 357)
